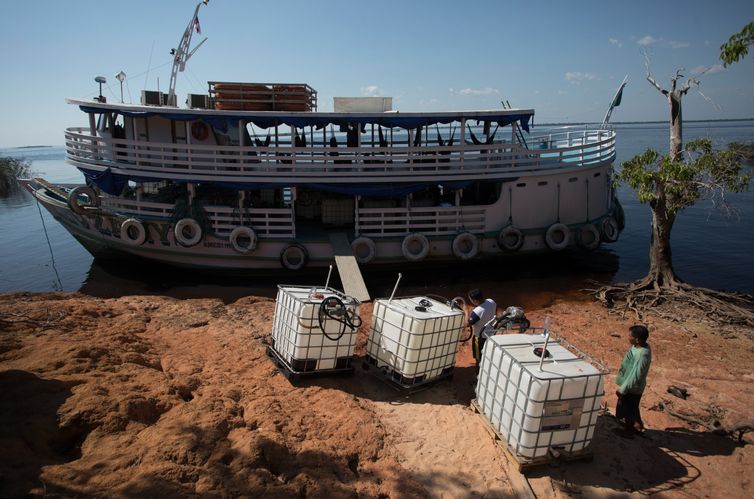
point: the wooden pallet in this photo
(524, 464)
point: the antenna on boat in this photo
(182, 53)
(100, 80)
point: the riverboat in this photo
(253, 176)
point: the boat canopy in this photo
(265, 120)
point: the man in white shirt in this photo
(484, 311)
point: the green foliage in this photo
(703, 172)
(10, 170)
(737, 46)
(745, 150)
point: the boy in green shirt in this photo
(632, 378)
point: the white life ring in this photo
(246, 232)
(588, 237)
(75, 203)
(510, 238)
(133, 232)
(294, 257)
(191, 226)
(558, 236)
(415, 247)
(610, 230)
(364, 249)
(465, 245)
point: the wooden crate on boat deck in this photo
(337, 211)
(231, 96)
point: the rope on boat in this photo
(57, 284)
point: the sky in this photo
(564, 59)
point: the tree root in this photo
(736, 431)
(673, 299)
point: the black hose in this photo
(334, 308)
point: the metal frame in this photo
(290, 319)
(511, 424)
(440, 343)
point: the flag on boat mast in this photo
(615, 102)
(196, 25)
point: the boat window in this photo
(522, 184)
(597, 174)
(573, 179)
(165, 191)
(480, 193)
(544, 182)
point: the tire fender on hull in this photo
(558, 236)
(510, 238)
(246, 232)
(133, 232)
(465, 246)
(364, 249)
(588, 236)
(75, 203)
(187, 232)
(294, 257)
(610, 230)
(415, 247)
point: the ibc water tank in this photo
(415, 339)
(535, 410)
(298, 337)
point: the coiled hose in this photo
(333, 308)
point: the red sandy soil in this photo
(155, 396)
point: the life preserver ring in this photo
(588, 236)
(75, 203)
(610, 230)
(364, 249)
(294, 257)
(465, 245)
(191, 226)
(558, 236)
(415, 247)
(510, 238)
(248, 233)
(199, 130)
(133, 232)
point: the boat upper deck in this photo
(388, 148)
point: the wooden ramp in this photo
(348, 268)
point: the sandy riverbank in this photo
(145, 395)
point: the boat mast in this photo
(182, 53)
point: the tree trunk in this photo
(660, 255)
(676, 125)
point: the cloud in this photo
(475, 91)
(562, 92)
(371, 91)
(578, 76)
(647, 40)
(616, 42)
(715, 68)
(678, 45)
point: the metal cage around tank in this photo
(539, 412)
(304, 343)
(413, 340)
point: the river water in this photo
(708, 249)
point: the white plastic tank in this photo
(415, 339)
(535, 410)
(297, 336)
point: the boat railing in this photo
(342, 164)
(434, 220)
(266, 222)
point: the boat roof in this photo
(266, 119)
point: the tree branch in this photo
(649, 74)
(689, 83)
